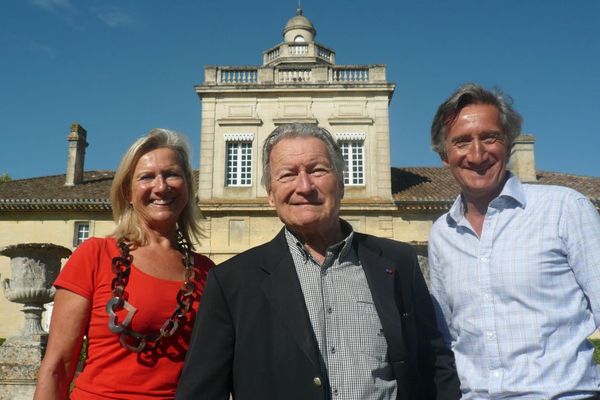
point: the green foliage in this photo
(81, 361)
(83, 354)
(2, 340)
(596, 344)
(5, 177)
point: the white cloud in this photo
(53, 5)
(113, 17)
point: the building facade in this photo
(298, 81)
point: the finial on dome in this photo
(299, 9)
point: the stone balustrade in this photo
(298, 49)
(273, 54)
(353, 74)
(286, 50)
(237, 75)
(325, 54)
(295, 74)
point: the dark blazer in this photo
(253, 336)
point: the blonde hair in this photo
(129, 225)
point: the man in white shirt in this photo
(515, 268)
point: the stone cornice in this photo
(239, 121)
(385, 88)
(280, 121)
(350, 121)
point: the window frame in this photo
(239, 160)
(77, 232)
(352, 145)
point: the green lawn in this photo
(596, 343)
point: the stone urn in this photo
(34, 268)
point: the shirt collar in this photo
(512, 192)
(340, 249)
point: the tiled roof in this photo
(49, 193)
(418, 189)
(429, 184)
(434, 188)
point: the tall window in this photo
(353, 152)
(82, 233)
(239, 164)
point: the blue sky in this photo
(120, 68)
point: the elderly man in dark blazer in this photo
(319, 312)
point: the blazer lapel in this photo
(283, 291)
(381, 273)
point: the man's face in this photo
(305, 189)
(476, 152)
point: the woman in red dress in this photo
(135, 293)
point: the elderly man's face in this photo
(305, 190)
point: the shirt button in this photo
(496, 374)
(484, 259)
(489, 334)
(332, 350)
(335, 392)
(329, 310)
(317, 381)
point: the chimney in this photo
(522, 159)
(75, 154)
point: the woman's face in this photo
(159, 191)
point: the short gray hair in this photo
(469, 94)
(303, 130)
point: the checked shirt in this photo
(521, 300)
(345, 321)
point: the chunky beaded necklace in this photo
(121, 266)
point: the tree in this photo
(5, 177)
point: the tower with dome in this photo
(298, 81)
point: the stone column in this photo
(522, 159)
(33, 267)
(76, 154)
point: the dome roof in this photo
(299, 21)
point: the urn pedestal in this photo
(33, 267)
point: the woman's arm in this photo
(69, 321)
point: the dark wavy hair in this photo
(469, 94)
